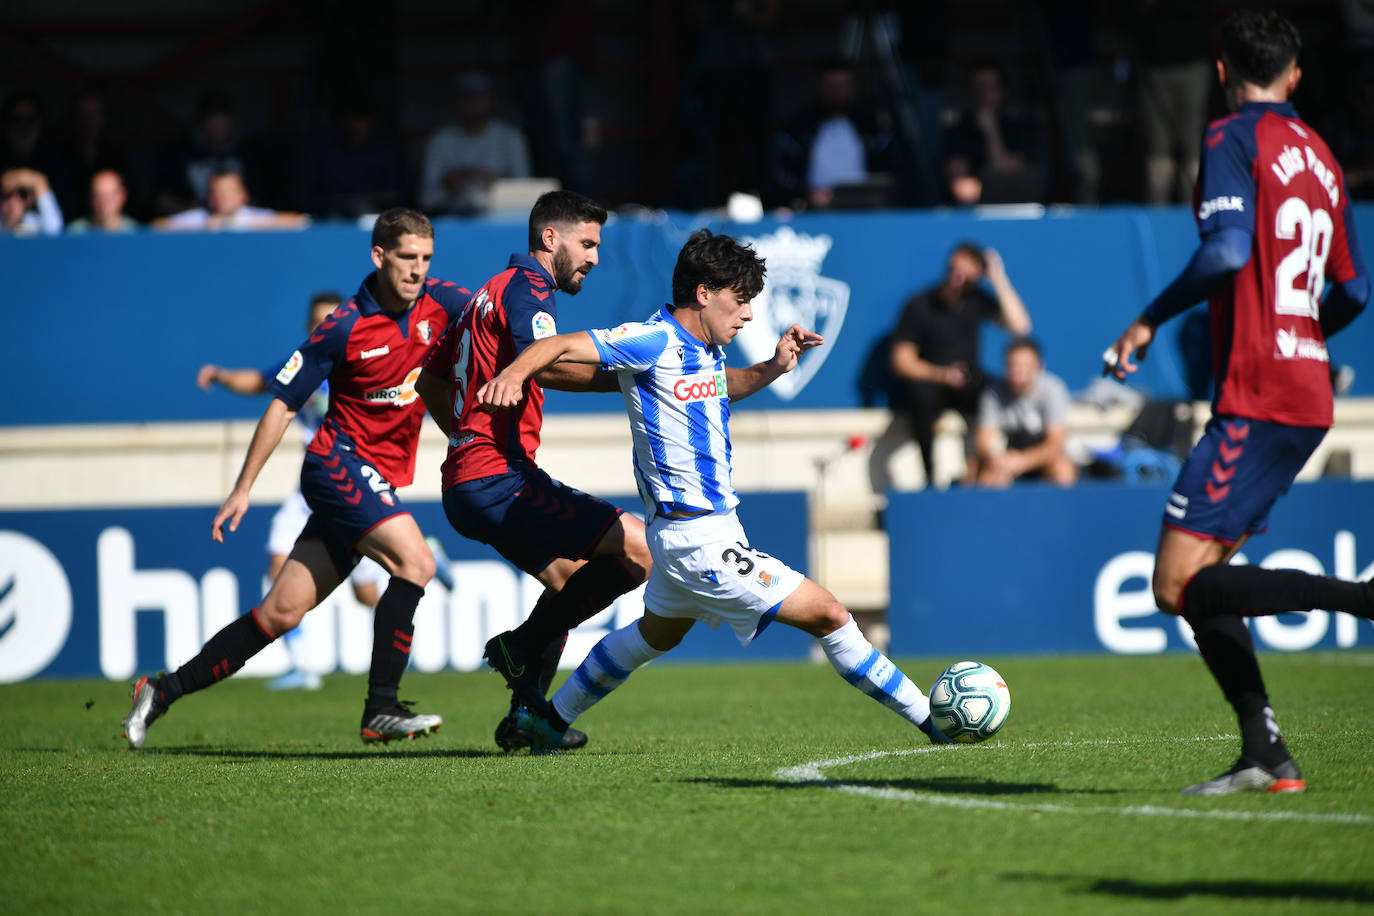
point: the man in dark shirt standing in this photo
(935, 344)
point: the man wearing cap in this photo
(463, 158)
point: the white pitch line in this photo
(814, 773)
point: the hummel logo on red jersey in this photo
(383, 350)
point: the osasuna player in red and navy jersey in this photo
(584, 550)
(370, 350)
(1277, 233)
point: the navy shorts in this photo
(530, 518)
(1234, 475)
(348, 498)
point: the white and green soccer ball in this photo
(969, 702)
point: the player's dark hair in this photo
(562, 208)
(399, 221)
(718, 262)
(1258, 45)
(1026, 343)
(973, 250)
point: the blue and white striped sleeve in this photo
(631, 346)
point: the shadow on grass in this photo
(400, 749)
(952, 785)
(1349, 891)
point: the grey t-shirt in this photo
(1024, 420)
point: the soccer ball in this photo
(969, 702)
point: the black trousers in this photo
(928, 401)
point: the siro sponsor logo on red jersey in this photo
(400, 395)
(700, 387)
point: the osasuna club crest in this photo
(794, 292)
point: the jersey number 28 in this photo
(1294, 295)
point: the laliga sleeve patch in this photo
(288, 371)
(542, 325)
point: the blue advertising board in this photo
(1042, 569)
(111, 329)
(111, 592)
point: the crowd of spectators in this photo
(1077, 102)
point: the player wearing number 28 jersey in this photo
(1281, 270)
(1268, 175)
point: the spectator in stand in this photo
(1022, 423)
(211, 147)
(1175, 83)
(834, 141)
(727, 82)
(108, 197)
(935, 345)
(1070, 28)
(23, 141)
(30, 207)
(991, 152)
(227, 208)
(463, 158)
(354, 171)
(550, 85)
(90, 146)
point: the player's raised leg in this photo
(308, 575)
(399, 547)
(816, 611)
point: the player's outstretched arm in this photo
(1221, 254)
(577, 377)
(239, 381)
(433, 390)
(275, 419)
(508, 388)
(795, 340)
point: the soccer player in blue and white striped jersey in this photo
(678, 395)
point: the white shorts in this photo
(287, 523)
(705, 569)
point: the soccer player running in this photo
(1277, 229)
(367, 577)
(671, 370)
(370, 351)
(493, 490)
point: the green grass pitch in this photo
(739, 788)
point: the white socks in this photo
(872, 672)
(605, 668)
